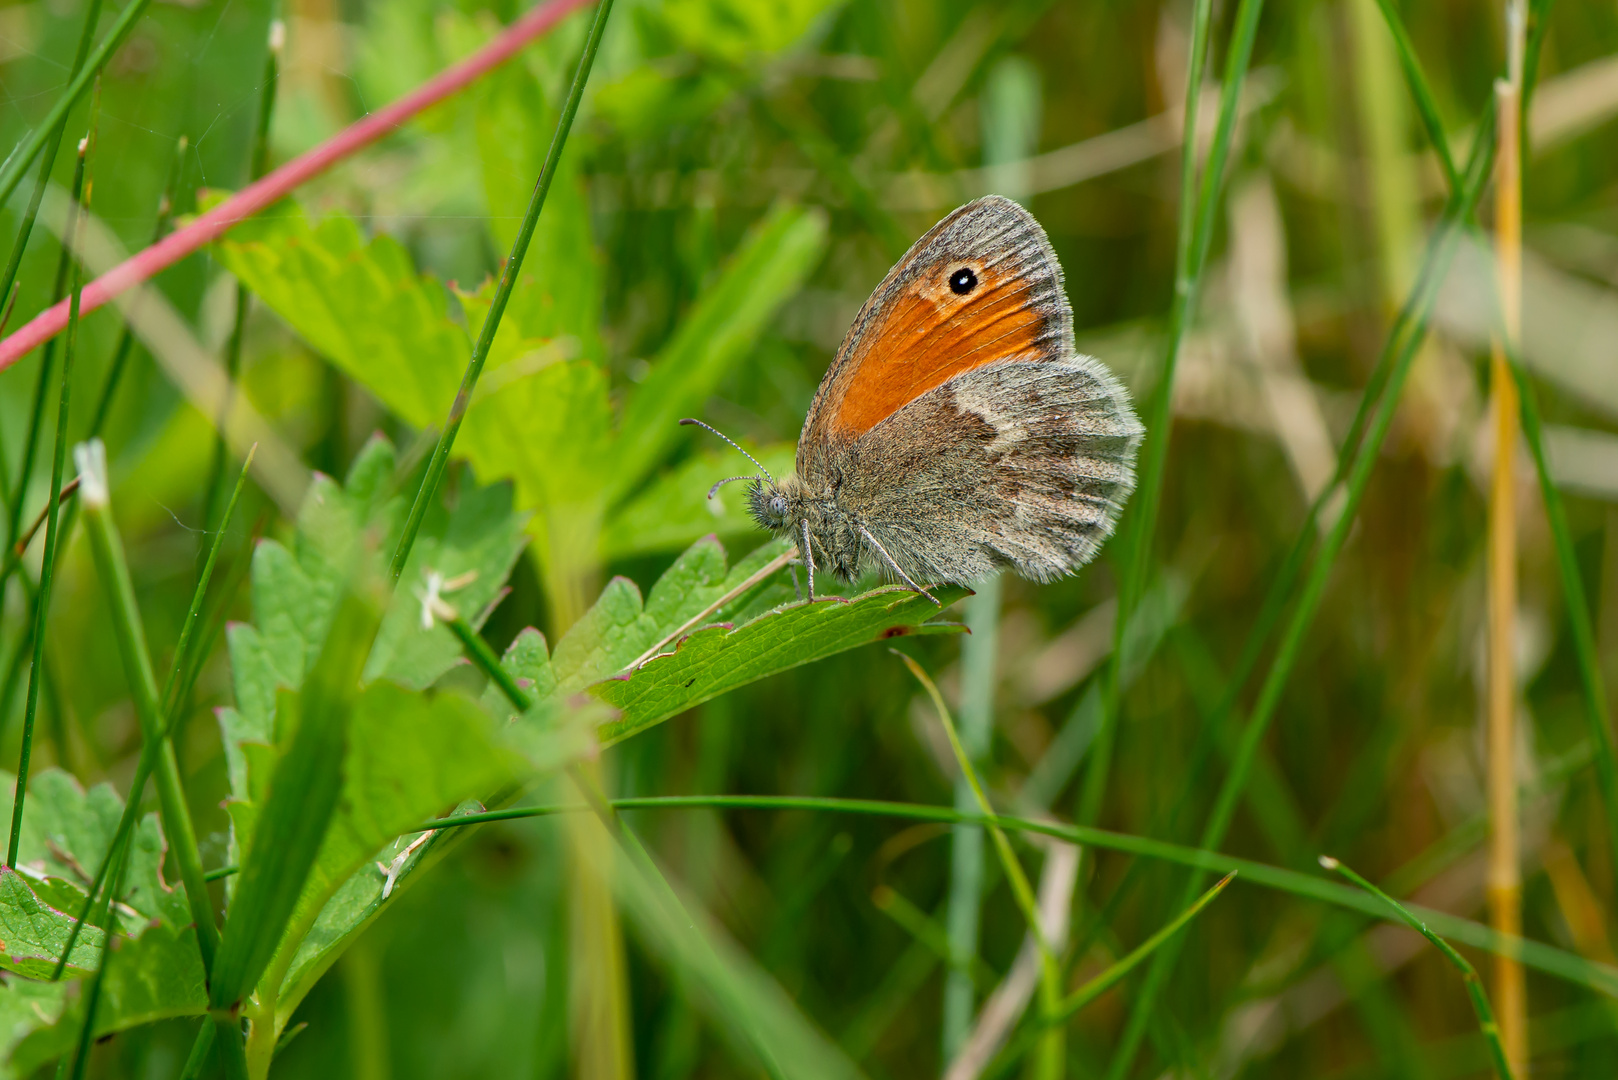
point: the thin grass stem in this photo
(604, 809)
(1109, 978)
(258, 164)
(1574, 596)
(47, 573)
(201, 1048)
(1474, 985)
(1020, 888)
(502, 295)
(775, 564)
(36, 412)
(966, 886)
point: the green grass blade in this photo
(81, 1056)
(1474, 985)
(47, 573)
(1109, 978)
(11, 172)
(502, 295)
(302, 797)
(1602, 978)
(197, 1060)
(1105, 981)
(108, 551)
(1154, 453)
(173, 703)
(1421, 92)
(1574, 597)
(1195, 237)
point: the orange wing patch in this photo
(926, 335)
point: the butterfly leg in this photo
(897, 569)
(808, 561)
(797, 586)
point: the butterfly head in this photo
(776, 506)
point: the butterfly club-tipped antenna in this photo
(738, 448)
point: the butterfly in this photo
(958, 430)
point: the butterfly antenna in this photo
(727, 480)
(733, 443)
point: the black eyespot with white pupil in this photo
(963, 281)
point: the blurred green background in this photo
(707, 123)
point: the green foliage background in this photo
(740, 177)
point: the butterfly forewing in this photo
(981, 287)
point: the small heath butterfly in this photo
(958, 430)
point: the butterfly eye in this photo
(963, 281)
(779, 505)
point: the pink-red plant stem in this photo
(278, 184)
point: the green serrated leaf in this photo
(33, 933)
(674, 510)
(65, 835)
(718, 659)
(619, 627)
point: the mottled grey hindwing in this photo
(1025, 465)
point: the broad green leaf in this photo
(717, 659)
(356, 904)
(674, 509)
(155, 971)
(758, 634)
(359, 303)
(718, 332)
